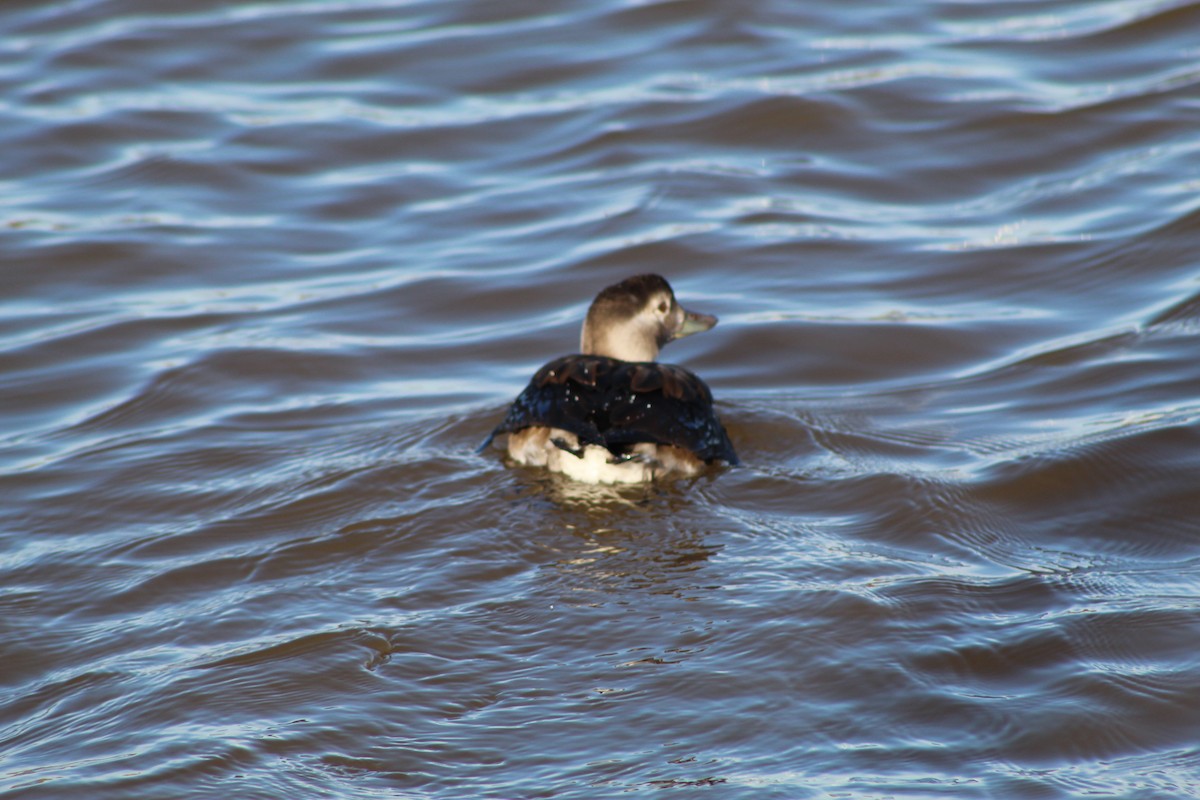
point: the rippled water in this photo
(273, 270)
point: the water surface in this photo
(273, 270)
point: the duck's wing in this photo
(666, 404)
(616, 404)
(562, 394)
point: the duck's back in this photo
(619, 405)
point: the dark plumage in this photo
(615, 404)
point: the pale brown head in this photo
(633, 319)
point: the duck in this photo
(612, 413)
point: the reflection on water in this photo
(272, 271)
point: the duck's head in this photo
(633, 319)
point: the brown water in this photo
(273, 270)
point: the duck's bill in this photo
(694, 323)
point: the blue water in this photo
(272, 271)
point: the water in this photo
(273, 270)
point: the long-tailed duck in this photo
(612, 414)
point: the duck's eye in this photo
(662, 307)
